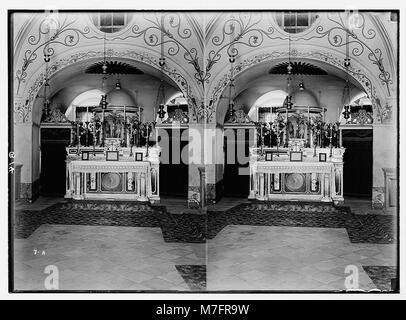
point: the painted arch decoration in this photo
(381, 113)
(204, 49)
(23, 109)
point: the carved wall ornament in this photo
(56, 116)
(240, 117)
(178, 116)
(361, 117)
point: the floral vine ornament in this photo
(23, 109)
(350, 29)
(199, 110)
(158, 35)
(52, 30)
(383, 113)
(243, 29)
(325, 57)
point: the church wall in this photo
(142, 88)
(327, 89)
(384, 156)
(196, 161)
(23, 155)
(265, 43)
(36, 147)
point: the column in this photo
(196, 134)
(384, 155)
(23, 149)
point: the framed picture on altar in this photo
(111, 155)
(296, 156)
(268, 155)
(85, 155)
(139, 156)
(322, 157)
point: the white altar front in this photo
(122, 179)
(308, 180)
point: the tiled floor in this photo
(289, 258)
(39, 204)
(364, 206)
(103, 258)
(238, 245)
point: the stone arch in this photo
(23, 107)
(358, 72)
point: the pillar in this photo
(27, 153)
(385, 149)
(384, 155)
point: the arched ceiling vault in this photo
(257, 81)
(72, 81)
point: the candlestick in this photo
(286, 129)
(78, 134)
(262, 139)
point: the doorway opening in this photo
(357, 162)
(236, 162)
(173, 169)
(53, 156)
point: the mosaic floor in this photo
(238, 245)
(104, 258)
(290, 258)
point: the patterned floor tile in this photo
(104, 259)
(318, 263)
(194, 276)
(383, 277)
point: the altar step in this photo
(198, 228)
(293, 206)
(188, 228)
(105, 206)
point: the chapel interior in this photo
(204, 151)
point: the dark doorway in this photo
(357, 162)
(53, 156)
(173, 172)
(236, 166)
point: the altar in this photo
(99, 177)
(111, 155)
(297, 157)
(305, 180)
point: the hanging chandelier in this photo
(160, 98)
(47, 103)
(231, 93)
(346, 98)
(301, 85)
(346, 92)
(103, 101)
(288, 100)
(118, 84)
